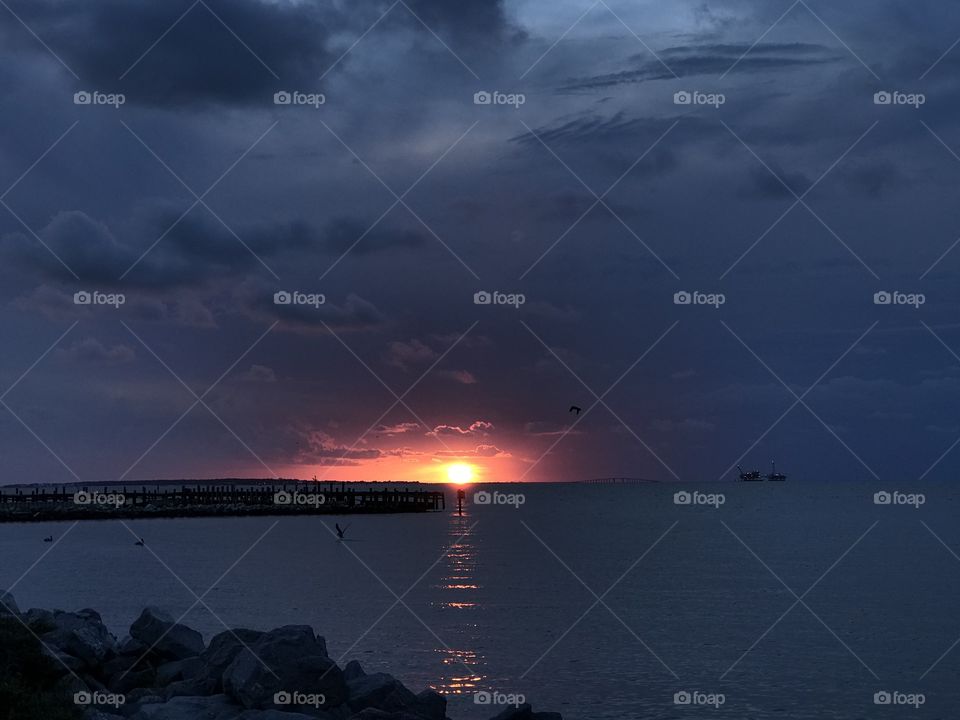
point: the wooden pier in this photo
(202, 499)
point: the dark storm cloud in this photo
(198, 60)
(162, 249)
(92, 350)
(874, 178)
(473, 21)
(405, 354)
(711, 59)
(257, 301)
(600, 129)
(399, 99)
(83, 245)
(764, 184)
(342, 234)
(229, 53)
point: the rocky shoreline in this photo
(58, 664)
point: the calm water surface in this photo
(692, 597)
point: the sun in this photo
(460, 473)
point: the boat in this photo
(752, 476)
(775, 476)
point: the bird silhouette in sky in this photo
(340, 531)
(574, 408)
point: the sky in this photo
(735, 152)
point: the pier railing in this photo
(276, 498)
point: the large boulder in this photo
(525, 712)
(222, 650)
(62, 661)
(83, 635)
(278, 715)
(217, 707)
(125, 681)
(290, 659)
(8, 605)
(129, 646)
(352, 671)
(178, 670)
(378, 690)
(375, 714)
(194, 687)
(430, 705)
(157, 629)
(38, 620)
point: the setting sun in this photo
(460, 473)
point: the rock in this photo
(352, 671)
(278, 715)
(69, 685)
(129, 646)
(122, 664)
(217, 707)
(379, 690)
(525, 712)
(291, 659)
(196, 687)
(124, 682)
(62, 661)
(222, 650)
(8, 605)
(158, 630)
(143, 695)
(178, 670)
(95, 714)
(40, 621)
(430, 705)
(374, 714)
(83, 635)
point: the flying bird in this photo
(140, 543)
(574, 408)
(341, 531)
(48, 538)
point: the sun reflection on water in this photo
(458, 589)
